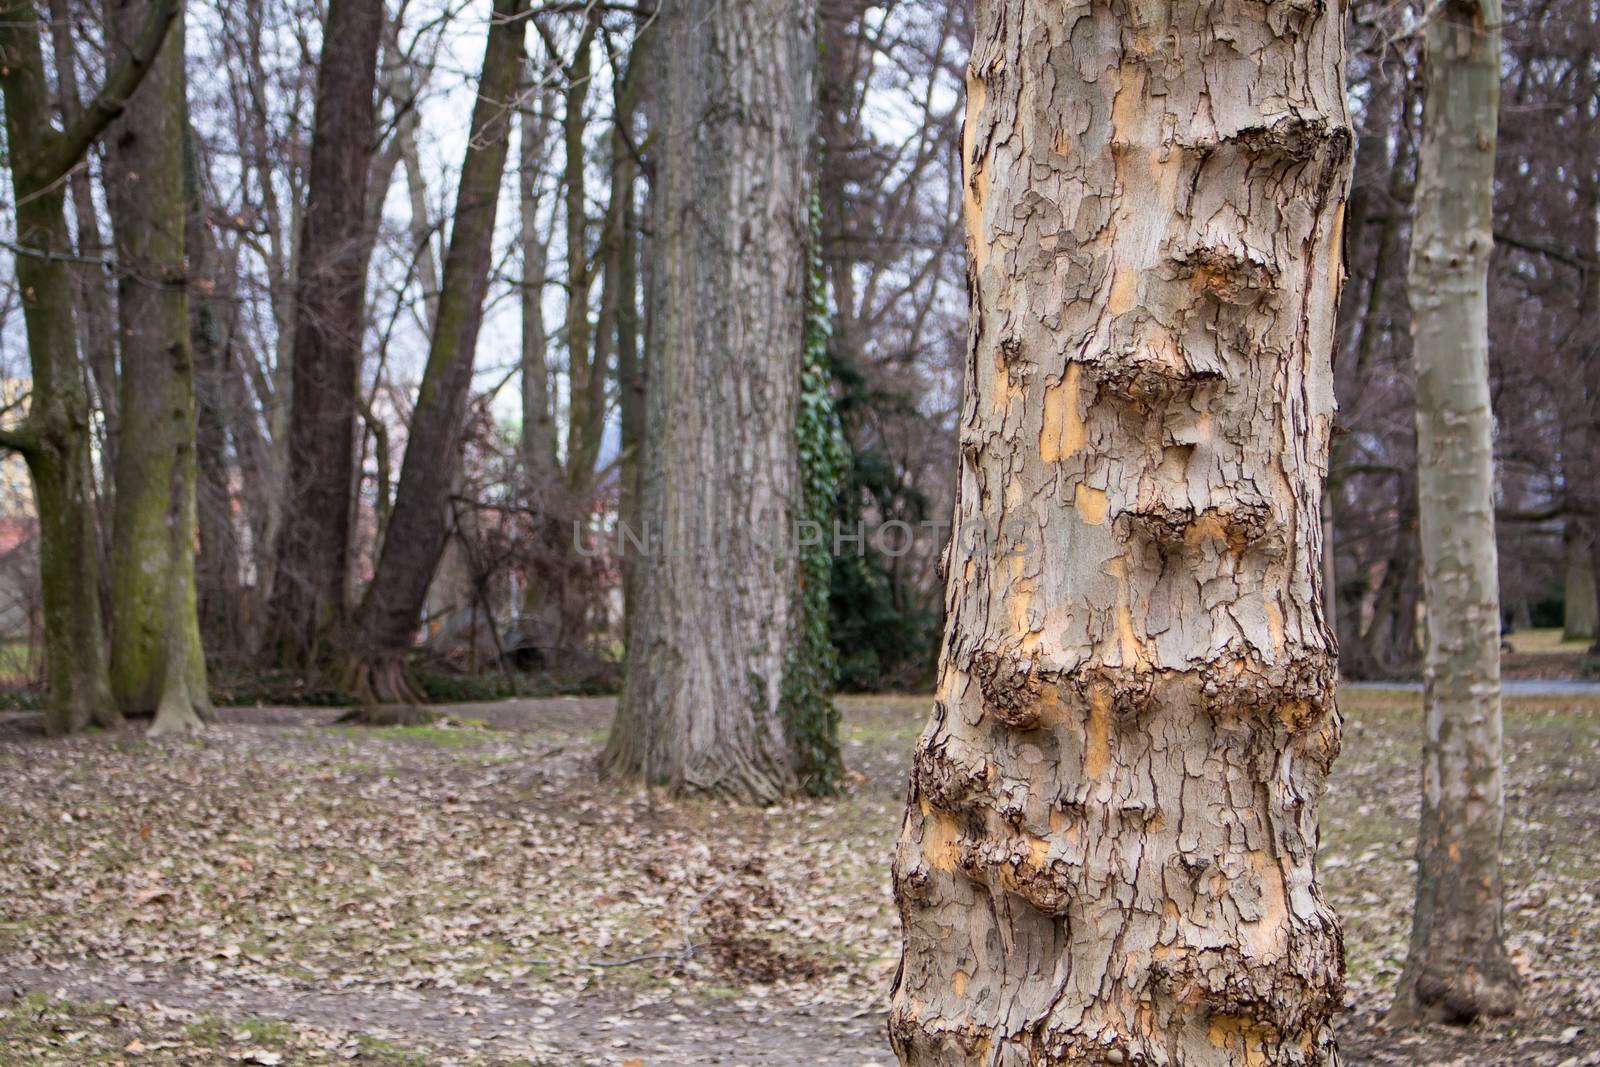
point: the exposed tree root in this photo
(386, 692)
(388, 715)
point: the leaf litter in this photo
(284, 891)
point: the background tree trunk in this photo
(732, 121)
(420, 522)
(312, 550)
(1457, 968)
(218, 589)
(157, 664)
(94, 293)
(1581, 613)
(1108, 852)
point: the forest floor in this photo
(285, 891)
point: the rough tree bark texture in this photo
(1582, 608)
(1457, 967)
(421, 518)
(157, 665)
(313, 541)
(1108, 851)
(731, 115)
(55, 438)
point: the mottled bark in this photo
(420, 521)
(1456, 967)
(1108, 855)
(731, 110)
(313, 543)
(157, 664)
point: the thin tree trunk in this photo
(732, 120)
(631, 402)
(157, 664)
(538, 416)
(1108, 854)
(584, 366)
(308, 593)
(218, 585)
(94, 295)
(1457, 968)
(420, 523)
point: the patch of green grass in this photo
(216, 1030)
(1547, 641)
(389, 1053)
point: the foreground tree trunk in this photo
(157, 664)
(55, 440)
(1457, 968)
(732, 106)
(420, 521)
(314, 538)
(1108, 852)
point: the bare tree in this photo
(1457, 967)
(157, 663)
(392, 608)
(55, 438)
(313, 542)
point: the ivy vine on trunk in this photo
(809, 714)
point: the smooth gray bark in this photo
(1456, 967)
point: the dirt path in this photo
(450, 1027)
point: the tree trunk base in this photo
(1457, 995)
(388, 715)
(382, 679)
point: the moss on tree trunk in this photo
(157, 663)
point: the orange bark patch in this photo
(1091, 504)
(1206, 527)
(1274, 903)
(941, 840)
(1038, 851)
(1127, 638)
(1124, 289)
(1240, 1036)
(1097, 750)
(1275, 625)
(974, 177)
(1336, 261)
(1063, 432)
(958, 984)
